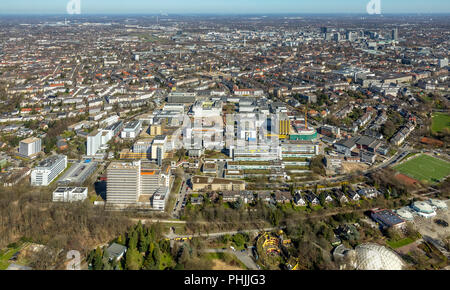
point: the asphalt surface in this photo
(245, 257)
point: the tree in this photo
(143, 242)
(82, 148)
(239, 240)
(316, 165)
(120, 240)
(388, 129)
(157, 257)
(322, 198)
(226, 238)
(98, 259)
(237, 204)
(411, 231)
(149, 263)
(393, 234)
(181, 153)
(133, 259)
(133, 240)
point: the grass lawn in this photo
(440, 122)
(7, 254)
(425, 168)
(225, 257)
(315, 207)
(180, 229)
(399, 243)
(176, 185)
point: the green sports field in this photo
(440, 122)
(425, 168)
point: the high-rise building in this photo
(351, 35)
(94, 141)
(394, 35)
(337, 36)
(159, 143)
(48, 170)
(124, 182)
(130, 183)
(30, 147)
(159, 156)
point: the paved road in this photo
(245, 257)
(181, 196)
(221, 169)
(144, 220)
(211, 235)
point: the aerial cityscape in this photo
(224, 142)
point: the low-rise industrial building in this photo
(216, 184)
(387, 218)
(70, 194)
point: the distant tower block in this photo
(159, 158)
(231, 152)
(395, 34)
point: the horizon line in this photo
(221, 14)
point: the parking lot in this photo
(428, 227)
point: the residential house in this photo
(368, 192)
(299, 200)
(283, 197)
(327, 197)
(312, 198)
(353, 195)
(264, 196)
(340, 196)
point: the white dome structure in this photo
(439, 204)
(405, 214)
(376, 257)
(424, 209)
(368, 257)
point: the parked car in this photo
(442, 223)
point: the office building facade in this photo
(94, 141)
(48, 170)
(30, 147)
(124, 182)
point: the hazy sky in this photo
(221, 6)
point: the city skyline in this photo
(225, 7)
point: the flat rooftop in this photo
(132, 125)
(50, 161)
(30, 140)
(122, 165)
(388, 217)
(210, 180)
